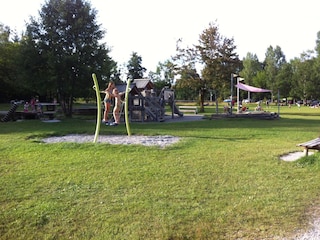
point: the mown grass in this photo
(224, 180)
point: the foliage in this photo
(302, 79)
(284, 80)
(188, 85)
(297, 79)
(272, 64)
(188, 82)
(251, 66)
(64, 50)
(135, 69)
(217, 56)
(164, 75)
(9, 55)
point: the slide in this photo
(10, 113)
(175, 109)
(168, 96)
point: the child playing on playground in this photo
(117, 106)
(107, 100)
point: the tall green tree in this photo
(274, 60)
(220, 60)
(251, 66)
(134, 67)
(303, 78)
(67, 38)
(188, 83)
(284, 80)
(9, 54)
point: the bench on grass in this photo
(193, 109)
(312, 144)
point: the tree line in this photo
(57, 53)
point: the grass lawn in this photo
(224, 180)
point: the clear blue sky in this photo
(152, 27)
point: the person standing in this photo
(117, 106)
(107, 100)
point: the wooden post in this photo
(306, 151)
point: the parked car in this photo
(246, 100)
(314, 103)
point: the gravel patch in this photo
(290, 157)
(312, 234)
(161, 141)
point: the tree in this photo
(284, 80)
(164, 75)
(135, 70)
(273, 63)
(9, 51)
(251, 67)
(188, 83)
(317, 48)
(217, 54)
(260, 80)
(66, 38)
(304, 80)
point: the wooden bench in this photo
(193, 109)
(46, 109)
(312, 144)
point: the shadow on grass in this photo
(303, 114)
(78, 126)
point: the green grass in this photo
(224, 180)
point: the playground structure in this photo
(144, 105)
(10, 115)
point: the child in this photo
(117, 106)
(26, 107)
(107, 100)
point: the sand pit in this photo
(161, 141)
(290, 157)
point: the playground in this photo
(141, 102)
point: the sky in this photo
(151, 27)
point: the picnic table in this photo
(46, 109)
(312, 144)
(41, 110)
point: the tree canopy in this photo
(217, 55)
(64, 48)
(135, 69)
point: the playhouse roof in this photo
(143, 84)
(122, 88)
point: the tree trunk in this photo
(66, 103)
(201, 98)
